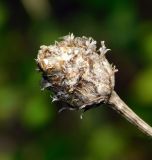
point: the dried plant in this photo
(81, 76)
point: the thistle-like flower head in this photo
(76, 71)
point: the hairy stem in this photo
(117, 104)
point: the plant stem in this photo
(117, 104)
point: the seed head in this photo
(76, 71)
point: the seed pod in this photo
(76, 71)
(81, 76)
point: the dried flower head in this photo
(79, 74)
(76, 71)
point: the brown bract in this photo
(76, 71)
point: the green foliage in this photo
(36, 113)
(9, 102)
(143, 86)
(106, 143)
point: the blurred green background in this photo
(30, 127)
